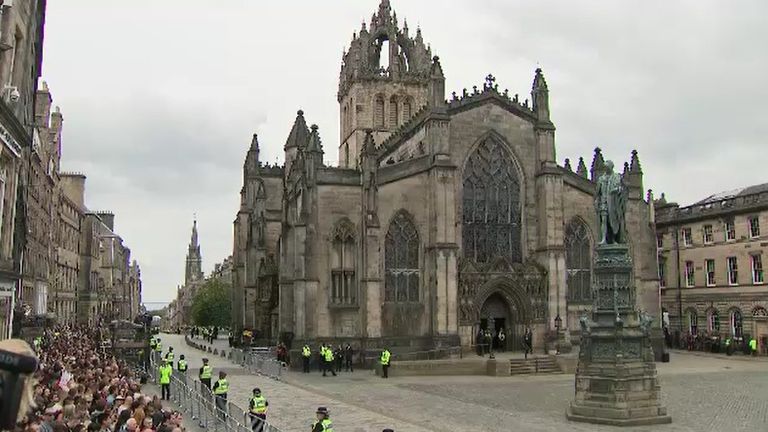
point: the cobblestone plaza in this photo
(702, 394)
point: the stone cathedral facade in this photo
(446, 214)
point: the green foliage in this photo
(211, 305)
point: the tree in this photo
(211, 305)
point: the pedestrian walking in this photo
(258, 410)
(384, 360)
(753, 346)
(205, 374)
(348, 352)
(502, 340)
(329, 360)
(528, 342)
(339, 358)
(323, 422)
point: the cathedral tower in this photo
(194, 270)
(385, 79)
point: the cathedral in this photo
(448, 214)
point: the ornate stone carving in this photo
(610, 204)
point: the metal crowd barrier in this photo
(255, 362)
(199, 402)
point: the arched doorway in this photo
(494, 316)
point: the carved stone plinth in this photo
(616, 380)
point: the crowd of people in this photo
(81, 387)
(711, 342)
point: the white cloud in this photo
(160, 98)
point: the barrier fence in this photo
(209, 411)
(256, 362)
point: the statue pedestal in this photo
(616, 380)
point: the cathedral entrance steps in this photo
(534, 365)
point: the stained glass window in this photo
(401, 260)
(578, 262)
(491, 205)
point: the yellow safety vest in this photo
(170, 356)
(327, 425)
(159, 347)
(753, 344)
(306, 352)
(385, 357)
(165, 374)
(328, 355)
(223, 387)
(259, 405)
(207, 372)
(182, 366)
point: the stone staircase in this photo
(534, 365)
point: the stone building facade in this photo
(21, 39)
(712, 258)
(446, 216)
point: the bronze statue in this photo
(610, 204)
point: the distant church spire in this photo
(194, 265)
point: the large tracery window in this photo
(578, 262)
(343, 286)
(401, 260)
(491, 205)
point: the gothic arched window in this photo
(378, 112)
(491, 204)
(343, 282)
(578, 262)
(401, 260)
(394, 112)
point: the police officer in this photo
(158, 350)
(220, 390)
(258, 410)
(323, 423)
(170, 356)
(753, 345)
(181, 366)
(328, 354)
(384, 360)
(205, 374)
(306, 353)
(164, 379)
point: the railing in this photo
(258, 363)
(209, 411)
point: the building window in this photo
(394, 112)
(378, 112)
(659, 240)
(491, 205)
(713, 321)
(407, 110)
(693, 322)
(662, 272)
(687, 239)
(754, 227)
(578, 262)
(401, 260)
(733, 271)
(710, 272)
(757, 269)
(689, 274)
(730, 230)
(736, 323)
(343, 282)
(708, 234)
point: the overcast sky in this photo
(160, 98)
